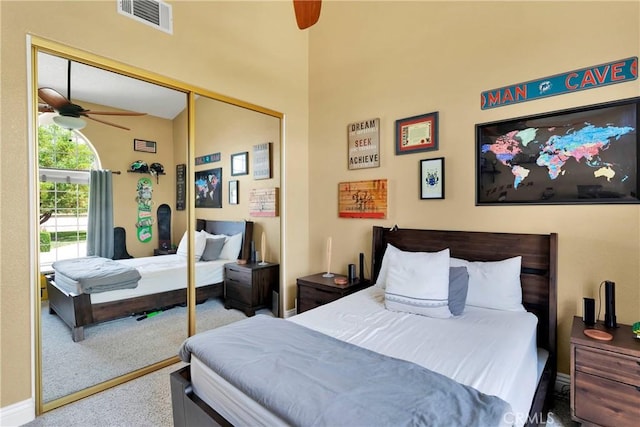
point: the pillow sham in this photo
(493, 284)
(231, 248)
(199, 244)
(418, 283)
(213, 248)
(389, 255)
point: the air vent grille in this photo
(156, 13)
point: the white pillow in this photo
(493, 284)
(231, 248)
(389, 254)
(418, 282)
(200, 243)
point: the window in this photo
(65, 158)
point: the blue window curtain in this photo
(100, 221)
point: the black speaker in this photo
(352, 273)
(610, 305)
(589, 312)
(361, 267)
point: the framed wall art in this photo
(240, 164)
(417, 133)
(233, 192)
(262, 161)
(585, 155)
(363, 199)
(144, 146)
(264, 202)
(432, 178)
(364, 144)
(209, 188)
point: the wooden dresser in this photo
(316, 290)
(605, 377)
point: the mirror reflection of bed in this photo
(113, 339)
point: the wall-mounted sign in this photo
(363, 199)
(264, 202)
(620, 71)
(364, 144)
(262, 161)
(181, 186)
(209, 158)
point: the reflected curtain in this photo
(100, 221)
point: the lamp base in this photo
(327, 274)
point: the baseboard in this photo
(18, 414)
(563, 382)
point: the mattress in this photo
(158, 274)
(494, 352)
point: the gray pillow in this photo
(213, 248)
(458, 287)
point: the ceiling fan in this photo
(307, 12)
(69, 114)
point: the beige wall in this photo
(399, 59)
(115, 150)
(248, 50)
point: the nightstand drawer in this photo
(606, 402)
(316, 297)
(609, 365)
(238, 291)
(238, 275)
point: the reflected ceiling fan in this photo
(71, 115)
(307, 12)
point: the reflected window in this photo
(65, 158)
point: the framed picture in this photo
(432, 178)
(209, 188)
(144, 146)
(262, 161)
(417, 133)
(585, 155)
(240, 164)
(364, 144)
(233, 192)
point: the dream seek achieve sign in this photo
(364, 144)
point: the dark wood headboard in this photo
(230, 228)
(539, 263)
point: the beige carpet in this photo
(111, 349)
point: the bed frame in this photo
(538, 278)
(77, 311)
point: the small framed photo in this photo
(240, 164)
(417, 133)
(432, 178)
(233, 192)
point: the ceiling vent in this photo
(151, 12)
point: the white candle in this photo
(263, 246)
(329, 255)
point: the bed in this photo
(161, 286)
(202, 397)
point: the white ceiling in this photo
(98, 86)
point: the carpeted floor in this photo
(111, 349)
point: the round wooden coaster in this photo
(598, 334)
(340, 281)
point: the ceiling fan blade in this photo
(105, 122)
(53, 98)
(307, 12)
(112, 113)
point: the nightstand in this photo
(248, 287)
(157, 252)
(316, 290)
(605, 377)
